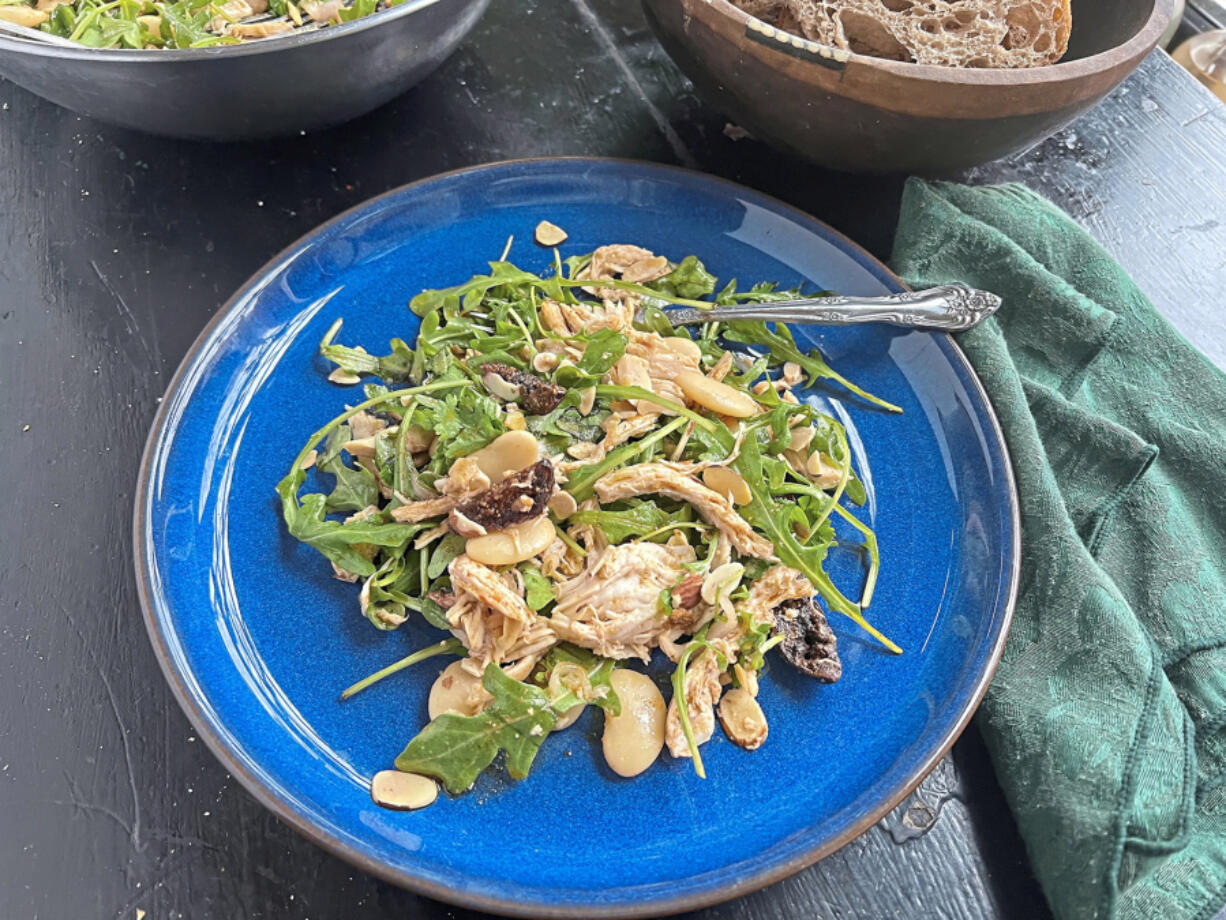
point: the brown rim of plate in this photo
(516, 908)
(1146, 37)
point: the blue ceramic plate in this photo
(257, 638)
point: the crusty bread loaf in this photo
(955, 33)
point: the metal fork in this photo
(950, 306)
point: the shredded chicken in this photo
(715, 509)
(464, 480)
(702, 692)
(490, 617)
(559, 561)
(619, 429)
(663, 362)
(489, 588)
(413, 512)
(490, 636)
(702, 686)
(568, 319)
(612, 606)
(630, 263)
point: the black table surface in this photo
(116, 248)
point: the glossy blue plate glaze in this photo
(258, 639)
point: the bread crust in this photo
(952, 33)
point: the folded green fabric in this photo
(1107, 717)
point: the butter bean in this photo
(634, 738)
(514, 544)
(455, 690)
(506, 454)
(685, 348)
(715, 395)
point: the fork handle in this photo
(950, 306)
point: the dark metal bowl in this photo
(864, 114)
(261, 89)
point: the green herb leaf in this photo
(604, 349)
(639, 518)
(455, 749)
(355, 487)
(538, 590)
(464, 423)
(339, 542)
(774, 520)
(783, 348)
(444, 553)
(690, 280)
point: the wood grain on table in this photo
(116, 248)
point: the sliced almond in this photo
(728, 483)
(544, 362)
(825, 475)
(361, 447)
(587, 400)
(646, 269)
(801, 438)
(402, 791)
(344, 377)
(548, 234)
(310, 459)
(742, 718)
(563, 505)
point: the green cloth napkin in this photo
(1106, 721)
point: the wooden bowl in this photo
(863, 114)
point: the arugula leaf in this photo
(339, 542)
(656, 320)
(455, 749)
(638, 519)
(604, 349)
(472, 291)
(397, 366)
(355, 487)
(357, 10)
(444, 553)
(775, 520)
(538, 590)
(783, 348)
(689, 280)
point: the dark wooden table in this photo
(116, 248)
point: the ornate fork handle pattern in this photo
(951, 306)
